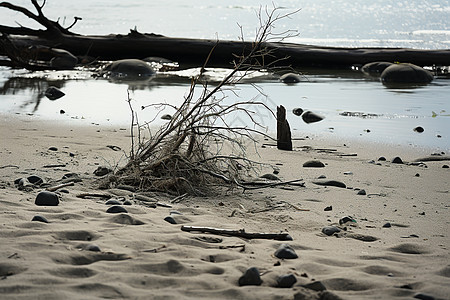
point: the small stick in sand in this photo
(57, 187)
(239, 233)
(93, 195)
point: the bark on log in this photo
(284, 140)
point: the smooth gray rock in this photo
(297, 111)
(397, 160)
(314, 164)
(316, 286)
(46, 198)
(330, 230)
(115, 209)
(39, 218)
(285, 251)
(286, 281)
(290, 78)
(310, 117)
(375, 68)
(406, 74)
(53, 93)
(129, 69)
(250, 277)
(330, 183)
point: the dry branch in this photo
(238, 233)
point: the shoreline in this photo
(367, 260)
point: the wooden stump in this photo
(284, 141)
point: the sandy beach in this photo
(396, 245)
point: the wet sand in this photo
(85, 252)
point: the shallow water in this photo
(418, 24)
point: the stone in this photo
(297, 111)
(310, 117)
(397, 160)
(445, 166)
(38, 218)
(34, 179)
(382, 158)
(419, 129)
(290, 78)
(101, 171)
(285, 251)
(113, 202)
(346, 219)
(270, 177)
(361, 192)
(330, 230)
(250, 277)
(330, 183)
(315, 286)
(314, 164)
(387, 225)
(115, 209)
(286, 281)
(423, 296)
(406, 74)
(170, 220)
(127, 202)
(46, 198)
(53, 93)
(375, 68)
(93, 248)
(132, 69)
(53, 149)
(328, 208)
(166, 117)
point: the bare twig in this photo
(239, 233)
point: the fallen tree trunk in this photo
(195, 51)
(189, 52)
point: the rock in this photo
(297, 111)
(382, 158)
(113, 202)
(127, 202)
(419, 129)
(361, 192)
(70, 176)
(285, 251)
(424, 297)
(445, 166)
(93, 248)
(330, 183)
(327, 295)
(53, 149)
(250, 277)
(375, 68)
(321, 177)
(131, 69)
(34, 179)
(310, 117)
(115, 209)
(170, 220)
(417, 175)
(290, 78)
(53, 93)
(39, 219)
(270, 177)
(330, 230)
(166, 117)
(406, 74)
(101, 171)
(397, 160)
(314, 164)
(387, 225)
(347, 219)
(328, 208)
(46, 198)
(286, 281)
(315, 286)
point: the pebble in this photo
(387, 225)
(53, 149)
(113, 202)
(397, 160)
(315, 286)
(250, 277)
(346, 220)
(93, 248)
(322, 177)
(417, 175)
(166, 117)
(331, 183)
(39, 219)
(170, 220)
(297, 111)
(328, 208)
(34, 179)
(382, 158)
(361, 192)
(313, 164)
(53, 93)
(286, 281)
(445, 166)
(419, 129)
(127, 202)
(270, 177)
(424, 296)
(46, 198)
(101, 171)
(175, 212)
(310, 117)
(116, 209)
(285, 251)
(330, 230)
(290, 78)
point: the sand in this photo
(144, 257)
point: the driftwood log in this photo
(189, 52)
(238, 233)
(284, 140)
